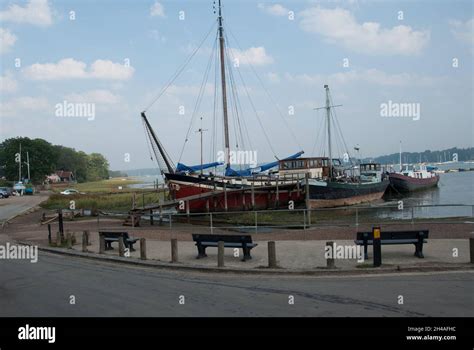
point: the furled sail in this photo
(248, 172)
(193, 168)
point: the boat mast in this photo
(224, 92)
(328, 116)
(400, 156)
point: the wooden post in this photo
(61, 224)
(58, 239)
(151, 217)
(161, 214)
(68, 240)
(49, 233)
(306, 190)
(143, 248)
(84, 241)
(220, 254)
(101, 243)
(211, 223)
(330, 262)
(272, 262)
(121, 246)
(174, 250)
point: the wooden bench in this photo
(230, 241)
(417, 238)
(110, 237)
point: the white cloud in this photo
(8, 83)
(366, 76)
(463, 31)
(273, 77)
(256, 56)
(93, 96)
(36, 12)
(68, 68)
(157, 9)
(274, 10)
(20, 105)
(340, 27)
(7, 40)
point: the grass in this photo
(103, 195)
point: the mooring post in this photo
(49, 233)
(143, 248)
(84, 241)
(101, 243)
(121, 246)
(220, 254)
(272, 261)
(330, 262)
(174, 250)
(58, 239)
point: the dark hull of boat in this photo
(336, 194)
(403, 183)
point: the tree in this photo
(97, 167)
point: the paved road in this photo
(103, 289)
(14, 205)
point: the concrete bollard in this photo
(330, 262)
(220, 254)
(121, 246)
(471, 247)
(143, 248)
(84, 241)
(58, 239)
(272, 260)
(174, 250)
(101, 244)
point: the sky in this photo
(116, 56)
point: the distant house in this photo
(65, 176)
(60, 176)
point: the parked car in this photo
(71, 191)
(5, 192)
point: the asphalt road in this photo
(105, 289)
(14, 205)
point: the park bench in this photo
(417, 237)
(110, 237)
(230, 241)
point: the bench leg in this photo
(247, 255)
(201, 251)
(419, 250)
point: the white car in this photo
(70, 191)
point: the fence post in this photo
(220, 254)
(101, 243)
(151, 217)
(330, 262)
(272, 262)
(49, 233)
(174, 250)
(377, 247)
(143, 248)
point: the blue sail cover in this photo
(193, 168)
(259, 169)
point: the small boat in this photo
(413, 180)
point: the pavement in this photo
(46, 289)
(15, 205)
(298, 255)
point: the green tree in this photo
(97, 167)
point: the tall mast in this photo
(201, 130)
(224, 92)
(19, 167)
(328, 116)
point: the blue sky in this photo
(86, 60)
